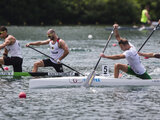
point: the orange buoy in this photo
(6, 68)
(146, 57)
(120, 75)
(114, 44)
(22, 95)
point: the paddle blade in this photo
(89, 80)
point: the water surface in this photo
(111, 103)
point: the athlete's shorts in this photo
(16, 62)
(144, 23)
(143, 76)
(57, 67)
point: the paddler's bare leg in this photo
(36, 65)
(1, 63)
(118, 67)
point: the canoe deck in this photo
(99, 81)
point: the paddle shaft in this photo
(149, 37)
(55, 60)
(109, 38)
(1, 67)
(91, 76)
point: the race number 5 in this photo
(105, 70)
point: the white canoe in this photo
(99, 81)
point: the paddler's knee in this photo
(117, 65)
(39, 64)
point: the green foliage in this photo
(51, 12)
(122, 11)
(154, 7)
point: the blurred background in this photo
(81, 12)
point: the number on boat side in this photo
(105, 70)
(6, 73)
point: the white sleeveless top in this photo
(55, 51)
(14, 50)
(134, 60)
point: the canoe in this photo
(50, 74)
(99, 81)
(131, 28)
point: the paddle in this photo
(1, 67)
(91, 76)
(55, 60)
(155, 28)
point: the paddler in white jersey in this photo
(12, 47)
(134, 66)
(58, 51)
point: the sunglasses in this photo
(1, 32)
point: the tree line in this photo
(66, 12)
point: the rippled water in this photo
(110, 103)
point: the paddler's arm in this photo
(148, 16)
(7, 42)
(116, 33)
(149, 55)
(5, 54)
(113, 57)
(64, 46)
(38, 43)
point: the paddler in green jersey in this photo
(145, 17)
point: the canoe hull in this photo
(99, 81)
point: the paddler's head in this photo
(124, 45)
(3, 32)
(147, 7)
(51, 34)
